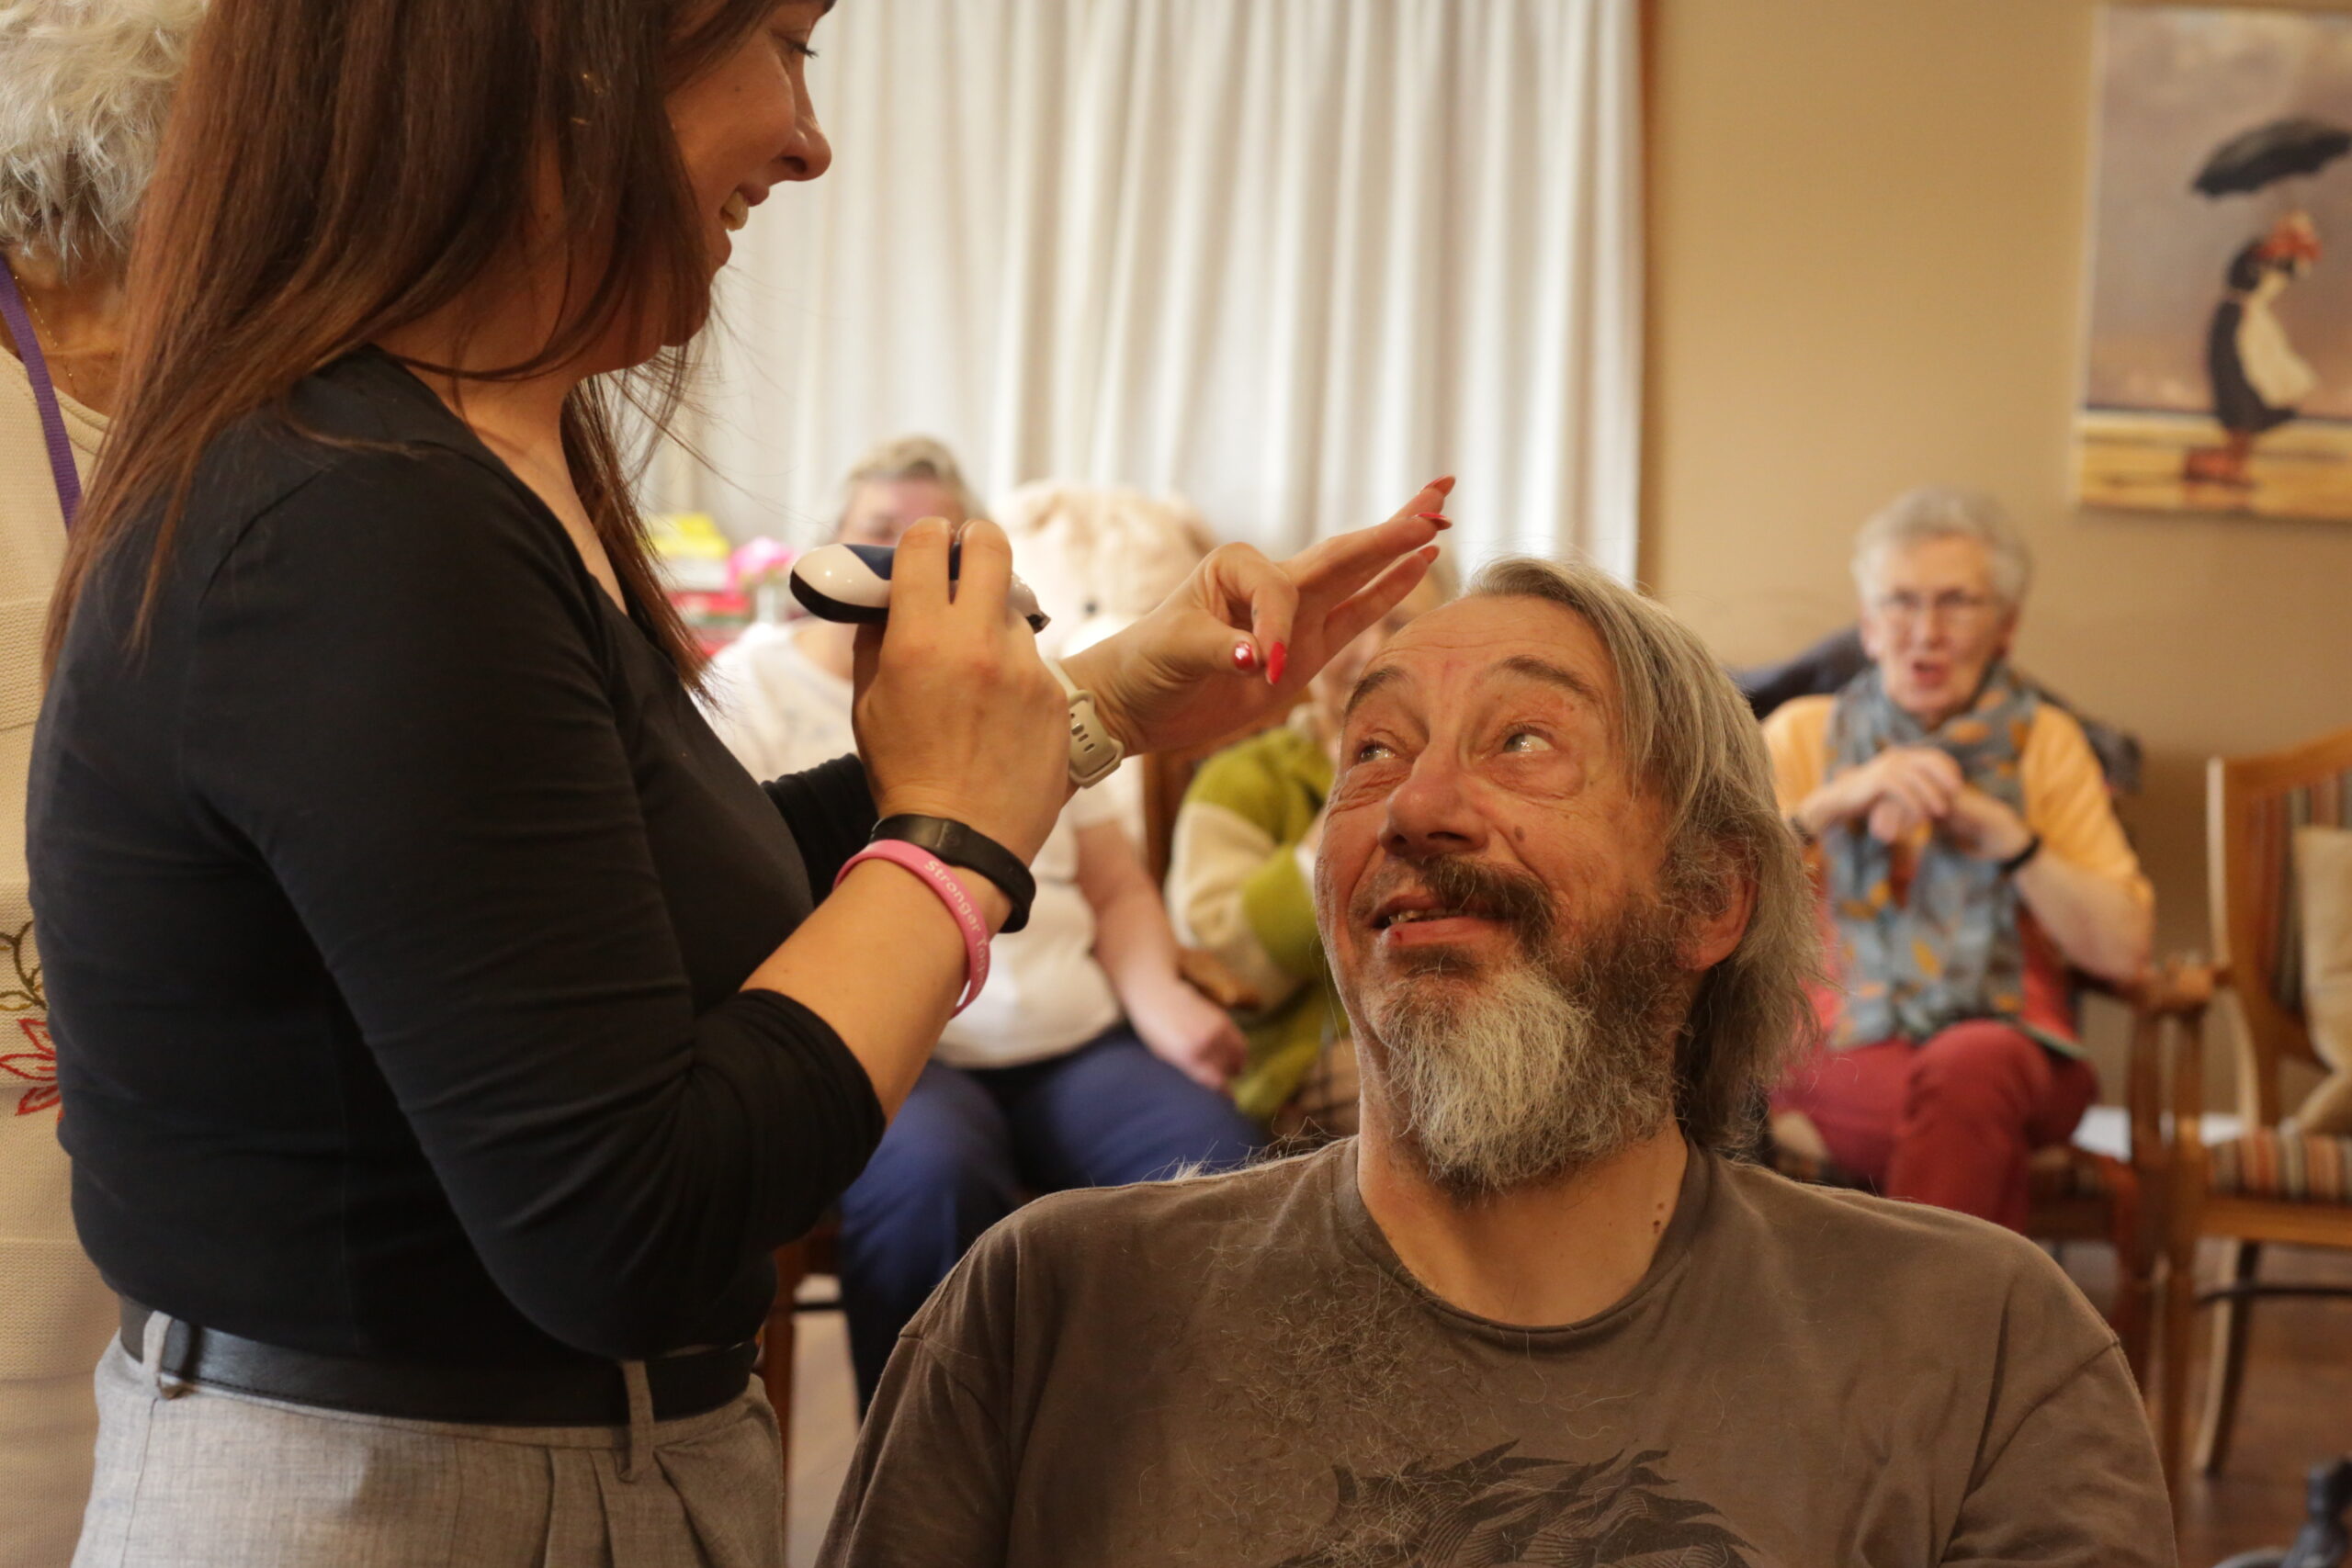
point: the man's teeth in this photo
(1399, 917)
(736, 212)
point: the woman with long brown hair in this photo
(449, 1028)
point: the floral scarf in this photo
(1950, 950)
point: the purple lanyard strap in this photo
(53, 418)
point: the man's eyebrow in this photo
(1553, 675)
(1375, 681)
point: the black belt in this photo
(588, 1393)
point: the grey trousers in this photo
(191, 1477)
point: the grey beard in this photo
(1538, 1070)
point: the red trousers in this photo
(1950, 1123)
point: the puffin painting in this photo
(2258, 379)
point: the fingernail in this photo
(1276, 656)
(1244, 655)
(1440, 518)
(1443, 481)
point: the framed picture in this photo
(2219, 371)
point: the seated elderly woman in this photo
(1968, 860)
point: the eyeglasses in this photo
(1954, 607)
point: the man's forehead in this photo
(1494, 637)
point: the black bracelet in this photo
(2019, 860)
(961, 846)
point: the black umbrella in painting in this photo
(2281, 149)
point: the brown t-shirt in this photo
(1237, 1371)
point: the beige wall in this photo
(1868, 234)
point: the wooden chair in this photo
(2079, 1194)
(1166, 776)
(795, 1262)
(2269, 1184)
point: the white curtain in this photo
(1290, 258)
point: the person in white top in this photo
(84, 87)
(1086, 1062)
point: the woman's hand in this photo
(1984, 826)
(1895, 792)
(956, 715)
(1189, 1032)
(1237, 643)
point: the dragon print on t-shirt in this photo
(1499, 1509)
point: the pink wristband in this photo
(942, 881)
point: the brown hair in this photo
(335, 170)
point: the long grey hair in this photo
(85, 86)
(1695, 742)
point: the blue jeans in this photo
(971, 1143)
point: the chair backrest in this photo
(1166, 776)
(2252, 807)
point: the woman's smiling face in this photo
(748, 124)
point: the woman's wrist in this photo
(2015, 860)
(1092, 669)
(957, 896)
(994, 907)
(1151, 991)
(957, 844)
(995, 903)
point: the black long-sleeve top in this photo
(394, 900)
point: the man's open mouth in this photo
(1450, 899)
(1413, 911)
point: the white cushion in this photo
(2324, 878)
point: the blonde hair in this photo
(912, 458)
(84, 88)
(1695, 743)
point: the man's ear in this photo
(1714, 932)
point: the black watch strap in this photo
(960, 846)
(2010, 867)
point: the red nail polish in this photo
(1276, 656)
(1440, 518)
(1244, 655)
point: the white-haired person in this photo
(1088, 1062)
(84, 88)
(1968, 859)
(1538, 1310)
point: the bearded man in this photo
(1536, 1312)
